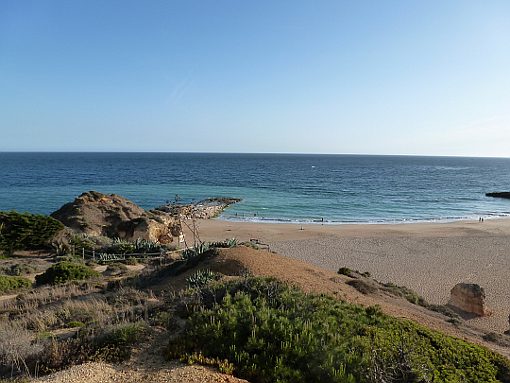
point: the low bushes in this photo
(10, 283)
(19, 269)
(271, 332)
(64, 272)
(404, 292)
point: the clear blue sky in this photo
(387, 77)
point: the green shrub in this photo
(353, 273)
(24, 231)
(344, 271)
(364, 287)
(65, 271)
(445, 310)
(82, 241)
(404, 292)
(10, 283)
(271, 332)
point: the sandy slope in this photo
(428, 258)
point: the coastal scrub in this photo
(271, 332)
(64, 272)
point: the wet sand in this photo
(429, 258)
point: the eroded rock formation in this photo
(98, 214)
(470, 298)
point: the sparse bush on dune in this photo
(17, 348)
(64, 272)
(113, 343)
(364, 286)
(19, 269)
(404, 292)
(345, 271)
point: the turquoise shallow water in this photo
(274, 188)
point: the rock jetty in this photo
(205, 209)
(470, 298)
(499, 195)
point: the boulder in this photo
(98, 214)
(470, 298)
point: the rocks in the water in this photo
(98, 214)
(205, 209)
(470, 298)
(499, 195)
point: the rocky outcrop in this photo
(205, 209)
(499, 195)
(98, 214)
(470, 298)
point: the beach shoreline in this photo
(429, 258)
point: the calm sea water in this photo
(300, 188)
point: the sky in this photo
(289, 76)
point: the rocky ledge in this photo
(499, 195)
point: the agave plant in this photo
(196, 251)
(201, 278)
(146, 246)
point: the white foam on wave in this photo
(314, 221)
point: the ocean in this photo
(273, 187)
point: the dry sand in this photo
(429, 258)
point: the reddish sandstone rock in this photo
(470, 298)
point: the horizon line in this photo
(253, 153)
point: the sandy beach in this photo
(429, 258)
